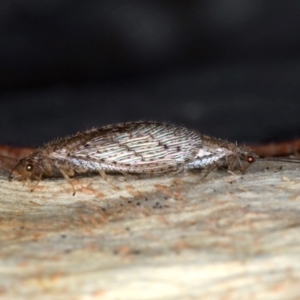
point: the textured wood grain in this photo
(170, 237)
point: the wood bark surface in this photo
(229, 236)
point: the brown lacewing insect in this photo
(133, 147)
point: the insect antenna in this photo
(8, 164)
(10, 173)
(280, 159)
(8, 158)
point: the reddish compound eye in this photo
(250, 159)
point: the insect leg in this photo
(236, 164)
(105, 177)
(208, 170)
(38, 181)
(66, 176)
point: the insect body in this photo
(133, 147)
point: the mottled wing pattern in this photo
(139, 147)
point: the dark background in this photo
(228, 68)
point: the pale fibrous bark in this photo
(173, 236)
